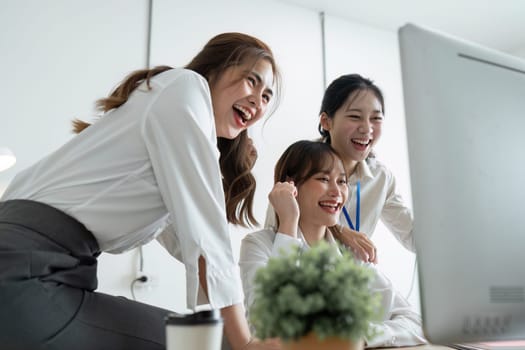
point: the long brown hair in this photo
(222, 51)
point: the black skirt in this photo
(48, 275)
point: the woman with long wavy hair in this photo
(170, 159)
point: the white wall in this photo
(58, 59)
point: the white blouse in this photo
(148, 167)
(399, 326)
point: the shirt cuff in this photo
(382, 338)
(224, 288)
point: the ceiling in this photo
(499, 24)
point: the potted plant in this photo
(314, 299)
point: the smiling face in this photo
(356, 127)
(240, 97)
(321, 196)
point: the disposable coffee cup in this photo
(200, 331)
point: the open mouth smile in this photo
(244, 114)
(361, 142)
(331, 206)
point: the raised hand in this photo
(282, 198)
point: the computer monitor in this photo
(465, 117)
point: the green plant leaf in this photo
(321, 289)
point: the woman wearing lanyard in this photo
(170, 159)
(351, 120)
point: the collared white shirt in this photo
(400, 325)
(147, 167)
(379, 200)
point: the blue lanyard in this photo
(357, 210)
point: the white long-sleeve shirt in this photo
(150, 164)
(399, 326)
(379, 200)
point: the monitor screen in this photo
(465, 116)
